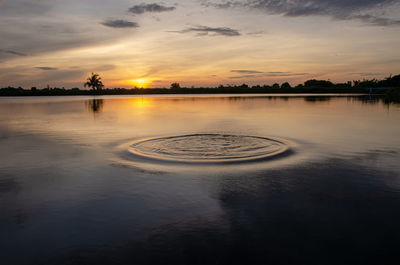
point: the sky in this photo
(196, 42)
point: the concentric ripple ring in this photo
(208, 148)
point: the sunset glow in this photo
(196, 43)
(140, 83)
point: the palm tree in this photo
(94, 81)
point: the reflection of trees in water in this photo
(95, 105)
(315, 99)
(376, 99)
(364, 99)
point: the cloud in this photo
(223, 4)
(246, 71)
(119, 23)
(46, 68)
(242, 76)
(24, 7)
(104, 67)
(377, 21)
(259, 74)
(367, 74)
(204, 31)
(25, 77)
(150, 8)
(20, 38)
(362, 10)
(13, 52)
(283, 74)
(260, 32)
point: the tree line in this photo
(390, 84)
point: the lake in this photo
(204, 179)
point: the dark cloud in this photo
(336, 8)
(223, 4)
(362, 10)
(13, 52)
(119, 23)
(204, 31)
(246, 71)
(150, 8)
(46, 68)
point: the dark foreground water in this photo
(199, 180)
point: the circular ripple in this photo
(208, 148)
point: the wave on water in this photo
(209, 148)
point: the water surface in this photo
(139, 180)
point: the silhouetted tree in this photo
(275, 86)
(175, 86)
(286, 85)
(391, 81)
(318, 83)
(94, 81)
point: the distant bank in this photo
(389, 86)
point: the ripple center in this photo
(208, 148)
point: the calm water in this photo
(199, 180)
